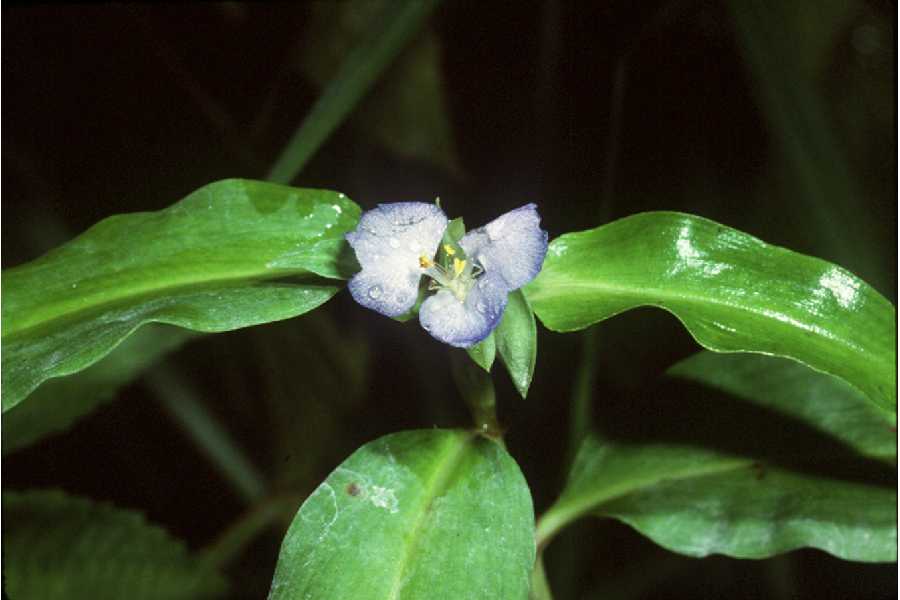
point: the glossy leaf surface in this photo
(733, 292)
(765, 472)
(60, 546)
(232, 254)
(419, 514)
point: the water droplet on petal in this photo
(394, 242)
(402, 298)
(375, 292)
(481, 307)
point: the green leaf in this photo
(232, 254)
(419, 514)
(517, 341)
(733, 292)
(58, 403)
(749, 474)
(61, 546)
(483, 352)
(825, 403)
(384, 37)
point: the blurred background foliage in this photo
(774, 118)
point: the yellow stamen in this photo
(425, 262)
(449, 250)
(458, 266)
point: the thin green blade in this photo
(358, 73)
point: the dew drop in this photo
(394, 243)
(402, 298)
(375, 292)
(481, 307)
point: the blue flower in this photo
(396, 245)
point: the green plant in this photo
(779, 435)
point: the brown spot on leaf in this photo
(353, 489)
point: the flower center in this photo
(455, 275)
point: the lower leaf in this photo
(61, 546)
(419, 514)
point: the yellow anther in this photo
(458, 266)
(449, 250)
(425, 262)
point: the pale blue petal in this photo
(512, 246)
(388, 242)
(386, 291)
(463, 324)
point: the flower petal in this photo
(512, 246)
(463, 324)
(386, 290)
(388, 242)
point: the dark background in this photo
(779, 121)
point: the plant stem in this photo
(477, 389)
(234, 539)
(540, 587)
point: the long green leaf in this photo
(825, 403)
(358, 73)
(768, 471)
(232, 254)
(60, 546)
(421, 514)
(733, 292)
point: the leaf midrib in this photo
(564, 512)
(445, 465)
(68, 311)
